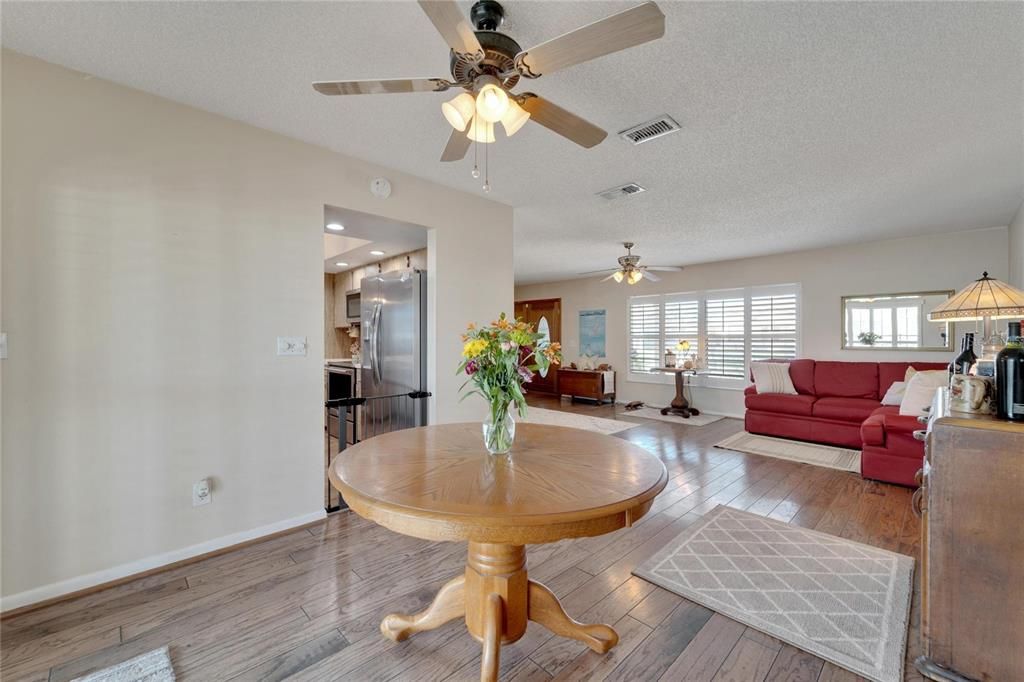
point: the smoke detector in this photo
(650, 130)
(629, 189)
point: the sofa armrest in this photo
(750, 390)
(901, 423)
(872, 431)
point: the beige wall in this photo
(152, 253)
(947, 261)
(1016, 249)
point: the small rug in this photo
(796, 451)
(154, 666)
(538, 415)
(840, 600)
(655, 413)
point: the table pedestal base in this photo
(680, 405)
(497, 599)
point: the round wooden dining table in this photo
(439, 483)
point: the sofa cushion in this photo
(801, 372)
(889, 372)
(846, 380)
(780, 402)
(901, 423)
(844, 409)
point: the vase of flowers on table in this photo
(498, 360)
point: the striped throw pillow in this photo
(772, 377)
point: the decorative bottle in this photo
(1010, 377)
(966, 359)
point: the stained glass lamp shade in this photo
(984, 298)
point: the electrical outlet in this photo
(291, 345)
(201, 493)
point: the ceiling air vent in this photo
(645, 132)
(626, 190)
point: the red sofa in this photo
(839, 403)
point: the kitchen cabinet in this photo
(352, 279)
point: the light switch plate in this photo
(3, 346)
(291, 345)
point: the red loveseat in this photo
(839, 403)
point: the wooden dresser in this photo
(971, 504)
(585, 383)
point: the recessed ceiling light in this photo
(336, 227)
(376, 253)
(340, 264)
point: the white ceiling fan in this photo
(630, 269)
(486, 65)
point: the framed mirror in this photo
(895, 322)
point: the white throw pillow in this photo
(772, 377)
(921, 389)
(894, 396)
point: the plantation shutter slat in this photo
(726, 337)
(773, 320)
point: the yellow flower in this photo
(473, 348)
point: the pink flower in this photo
(471, 367)
(525, 374)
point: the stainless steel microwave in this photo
(353, 312)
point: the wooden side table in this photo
(585, 383)
(439, 483)
(680, 405)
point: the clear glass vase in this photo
(499, 429)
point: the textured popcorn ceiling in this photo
(804, 124)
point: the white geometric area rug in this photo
(840, 600)
(153, 666)
(828, 456)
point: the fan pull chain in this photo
(476, 171)
(487, 171)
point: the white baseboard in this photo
(82, 582)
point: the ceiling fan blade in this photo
(650, 276)
(635, 26)
(381, 87)
(452, 25)
(565, 123)
(663, 268)
(458, 145)
(611, 276)
(597, 272)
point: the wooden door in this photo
(543, 314)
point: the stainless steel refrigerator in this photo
(394, 345)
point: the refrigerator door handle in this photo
(375, 350)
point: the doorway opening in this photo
(375, 322)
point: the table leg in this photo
(448, 604)
(497, 600)
(680, 405)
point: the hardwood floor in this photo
(307, 605)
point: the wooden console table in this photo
(972, 547)
(585, 383)
(439, 483)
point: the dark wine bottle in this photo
(965, 360)
(1010, 377)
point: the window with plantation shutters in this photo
(773, 320)
(726, 343)
(644, 333)
(724, 330)
(682, 324)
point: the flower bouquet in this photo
(499, 359)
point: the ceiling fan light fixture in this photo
(634, 276)
(491, 99)
(481, 131)
(618, 275)
(514, 119)
(459, 110)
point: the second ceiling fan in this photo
(487, 65)
(631, 271)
